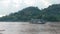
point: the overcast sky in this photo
(8, 6)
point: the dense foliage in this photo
(52, 13)
(23, 15)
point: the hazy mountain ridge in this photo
(52, 13)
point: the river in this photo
(24, 28)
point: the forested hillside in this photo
(52, 13)
(23, 15)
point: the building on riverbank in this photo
(38, 21)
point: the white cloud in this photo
(46, 3)
(55, 1)
(17, 1)
(29, 2)
(2, 15)
(8, 6)
(4, 3)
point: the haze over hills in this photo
(52, 13)
(23, 15)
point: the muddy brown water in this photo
(26, 28)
